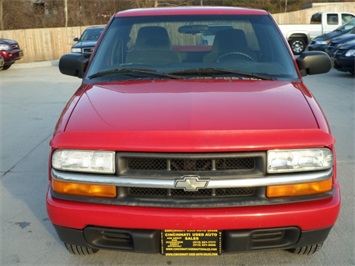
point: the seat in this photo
(152, 46)
(227, 43)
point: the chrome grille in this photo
(88, 50)
(174, 166)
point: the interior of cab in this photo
(152, 45)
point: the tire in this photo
(307, 250)
(6, 67)
(79, 250)
(298, 45)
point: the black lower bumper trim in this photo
(148, 241)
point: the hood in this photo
(344, 38)
(8, 41)
(329, 35)
(176, 105)
(347, 45)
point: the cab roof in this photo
(192, 10)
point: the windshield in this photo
(91, 34)
(248, 46)
(347, 26)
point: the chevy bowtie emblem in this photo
(191, 182)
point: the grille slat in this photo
(180, 193)
(158, 164)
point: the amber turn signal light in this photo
(299, 189)
(79, 189)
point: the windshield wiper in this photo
(135, 72)
(211, 71)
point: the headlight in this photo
(283, 161)
(84, 161)
(350, 52)
(76, 50)
(5, 47)
(322, 42)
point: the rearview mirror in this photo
(313, 62)
(193, 29)
(73, 64)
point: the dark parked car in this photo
(344, 57)
(10, 51)
(321, 42)
(87, 41)
(333, 45)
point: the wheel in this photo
(238, 54)
(298, 45)
(6, 67)
(307, 250)
(79, 250)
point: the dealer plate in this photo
(191, 242)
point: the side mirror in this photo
(76, 39)
(73, 64)
(313, 62)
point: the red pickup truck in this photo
(182, 147)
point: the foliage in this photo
(23, 14)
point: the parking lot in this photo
(31, 99)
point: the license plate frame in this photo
(191, 243)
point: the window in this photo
(171, 44)
(316, 18)
(346, 18)
(332, 19)
(38, 8)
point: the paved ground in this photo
(31, 99)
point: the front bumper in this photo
(149, 241)
(304, 215)
(345, 64)
(11, 56)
